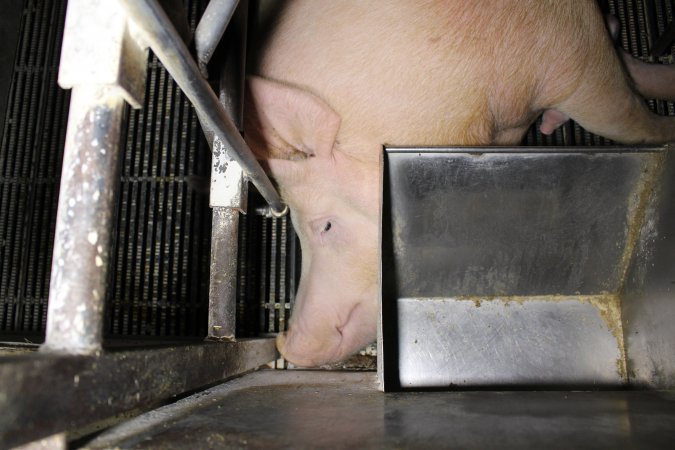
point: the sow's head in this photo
(333, 199)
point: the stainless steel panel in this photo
(505, 223)
(533, 342)
(229, 186)
(542, 240)
(649, 294)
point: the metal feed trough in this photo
(539, 267)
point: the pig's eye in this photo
(324, 229)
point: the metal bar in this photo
(229, 189)
(110, 383)
(162, 37)
(84, 221)
(223, 276)
(103, 72)
(211, 28)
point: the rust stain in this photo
(638, 206)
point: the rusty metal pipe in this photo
(229, 189)
(223, 275)
(84, 221)
(157, 30)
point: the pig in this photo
(651, 81)
(336, 80)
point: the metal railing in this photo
(104, 61)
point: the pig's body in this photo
(350, 76)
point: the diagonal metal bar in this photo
(158, 32)
(211, 28)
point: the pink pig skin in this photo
(338, 79)
(651, 81)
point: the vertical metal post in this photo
(105, 67)
(84, 221)
(229, 189)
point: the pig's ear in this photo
(285, 122)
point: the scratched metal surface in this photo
(508, 222)
(456, 343)
(342, 410)
(504, 267)
(648, 304)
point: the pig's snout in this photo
(298, 353)
(305, 350)
(307, 347)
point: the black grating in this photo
(30, 164)
(162, 247)
(162, 244)
(159, 281)
(269, 253)
(642, 24)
